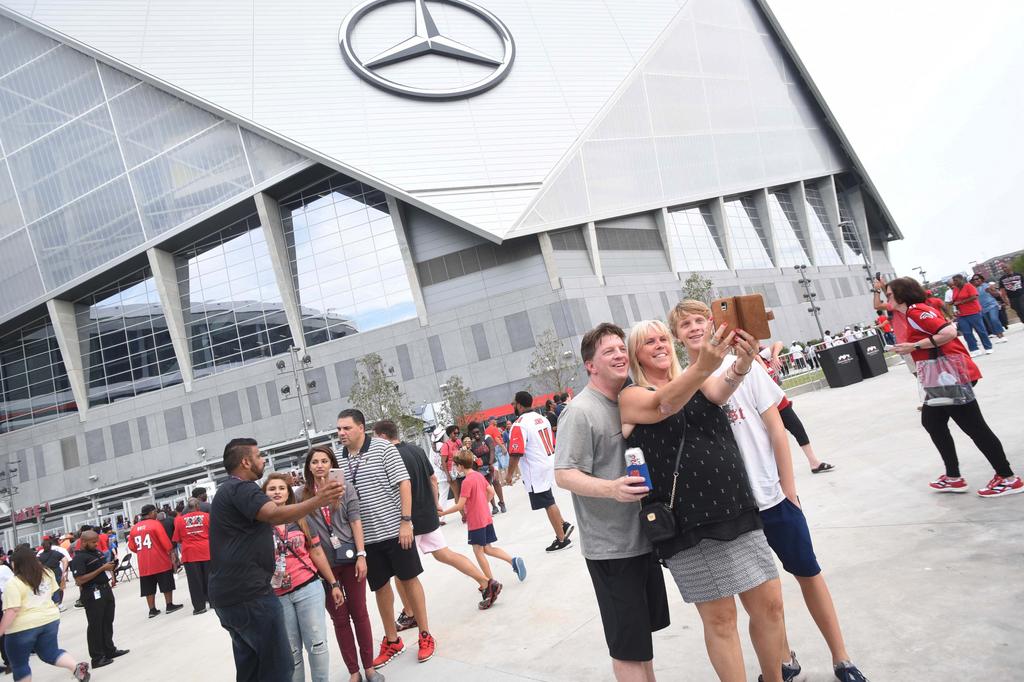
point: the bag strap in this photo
(679, 457)
(288, 548)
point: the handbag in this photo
(657, 518)
(944, 379)
(345, 553)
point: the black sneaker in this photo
(100, 662)
(198, 612)
(501, 506)
(792, 669)
(153, 613)
(171, 608)
(567, 529)
(405, 622)
(848, 672)
(119, 652)
(489, 594)
(556, 544)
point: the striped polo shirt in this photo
(375, 472)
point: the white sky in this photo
(931, 96)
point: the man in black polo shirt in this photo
(90, 570)
(242, 563)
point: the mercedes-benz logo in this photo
(427, 39)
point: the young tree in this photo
(376, 393)
(553, 367)
(698, 288)
(458, 401)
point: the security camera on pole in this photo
(810, 296)
(303, 388)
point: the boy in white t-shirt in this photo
(759, 431)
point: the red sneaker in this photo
(1000, 486)
(388, 650)
(945, 484)
(426, 647)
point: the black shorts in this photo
(150, 583)
(387, 559)
(541, 500)
(633, 603)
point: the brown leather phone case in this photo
(742, 312)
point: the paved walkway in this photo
(928, 587)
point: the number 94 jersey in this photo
(533, 439)
(149, 541)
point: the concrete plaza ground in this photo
(927, 586)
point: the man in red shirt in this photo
(448, 450)
(192, 532)
(149, 541)
(969, 319)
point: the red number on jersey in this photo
(548, 440)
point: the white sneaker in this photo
(989, 351)
(976, 353)
(998, 340)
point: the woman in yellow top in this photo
(31, 618)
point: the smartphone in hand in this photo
(336, 475)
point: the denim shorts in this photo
(785, 527)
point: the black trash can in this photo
(840, 365)
(871, 354)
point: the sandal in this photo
(822, 468)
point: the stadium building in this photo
(187, 189)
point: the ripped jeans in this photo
(305, 621)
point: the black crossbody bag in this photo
(657, 518)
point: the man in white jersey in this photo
(531, 447)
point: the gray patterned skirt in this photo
(715, 568)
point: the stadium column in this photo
(398, 221)
(661, 219)
(547, 252)
(590, 238)
(761, 203)
(65, 329)
(827, 189)
(277, 248)
(165, 277)
(717, 206)
(799, 197)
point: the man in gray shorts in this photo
(589, 462)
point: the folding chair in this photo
(125, 570)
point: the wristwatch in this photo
(917, 346)
(406, 518)
(335, 585)
(361, 553)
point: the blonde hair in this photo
(637, 335)
(686, 307)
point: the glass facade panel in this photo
(55, 88)
(34, 386)
(19, 45)
(149, 121)
(232, 306)
(10, 214)
(193, 177)
(694, 239)
(822, 234)
(19, 277)
(852, 250)
(61, 167)
(86, 234)
(126, 348)
(345, 259)
(790, 246)
(746, 238)
(266, 158)
(115, 82)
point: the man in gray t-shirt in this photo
(589, 462)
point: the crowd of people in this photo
(275, 553)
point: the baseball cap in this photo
(147, 509)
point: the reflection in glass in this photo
(852, 250)
(790, 245)
(34, 386)
(694, 239)
(126, 348)
(746, 235)
(822, 234)
(230, 299)
(345, 258)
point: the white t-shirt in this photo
(532, 438)
(796, 351)
(756, 393)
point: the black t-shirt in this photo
(51, 558)
(1013, 283)
(86, 561)
(481, 451)
(241, 548)
(424, 505)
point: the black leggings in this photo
(935, 421)
(794, 425)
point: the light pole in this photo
(7, 474)
(920, 271)
(810, 296)
(303, 388)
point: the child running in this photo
(474, 500)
